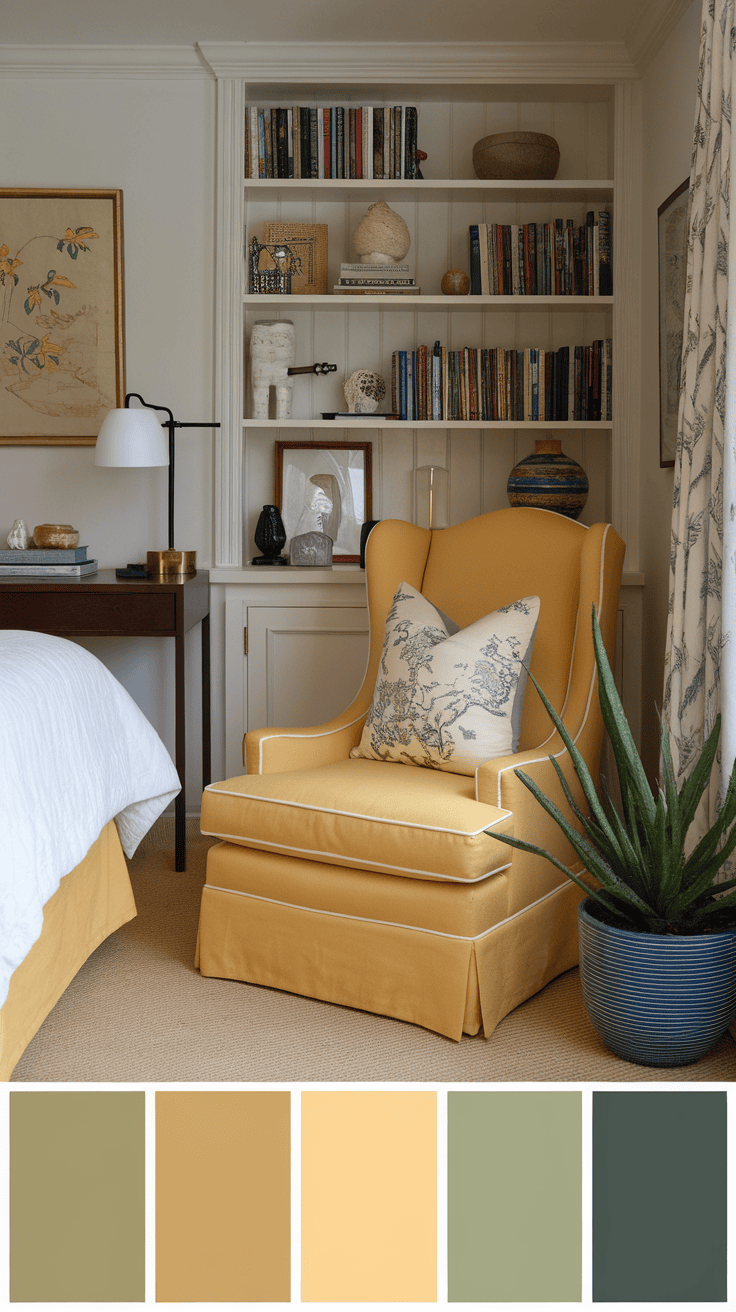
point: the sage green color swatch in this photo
(514, 1197)
(659, 1197)
(77, 1197)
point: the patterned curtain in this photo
(700, 661)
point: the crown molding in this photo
(651, 28)
(428, 62)
(102, 61)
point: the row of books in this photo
(486, 384)
(365, 141)
(561, 258)
(46, 563)
(376, 280)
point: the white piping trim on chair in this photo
(357, 815)
(391, 924)
(285, 737)
(260, 844)
(537, 760)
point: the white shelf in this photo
(502, 425)
(337, 301)
(284, 575)
(496, 189)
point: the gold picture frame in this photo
(326, 486)
(62, 345)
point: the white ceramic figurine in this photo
(272, 354)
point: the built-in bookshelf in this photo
(590, 101)
(459, 98)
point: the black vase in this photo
(270, 536)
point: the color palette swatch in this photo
(339, 1195)
(369, 1197)
(77, 1197)
(223, 1209)
(514, 1197)
(659, 1197)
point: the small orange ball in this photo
(455, 283)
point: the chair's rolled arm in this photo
(498, 785)
(271, 751)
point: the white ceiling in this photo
(185, 22)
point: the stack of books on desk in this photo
(46, 563)
(376, 280)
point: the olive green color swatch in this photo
(659, 1197)
(514, 1197)
(77, 1197)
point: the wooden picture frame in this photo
(672, 220)
(326, 486)
(62, 345)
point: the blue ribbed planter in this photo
(656, 999)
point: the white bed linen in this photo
(75, 752)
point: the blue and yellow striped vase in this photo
(549, 480)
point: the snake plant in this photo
(637, 858)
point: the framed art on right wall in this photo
(672, 240)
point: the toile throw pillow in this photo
(449, 698)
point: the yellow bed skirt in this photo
(91, 902)
(448, 983)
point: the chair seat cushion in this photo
(369, 815)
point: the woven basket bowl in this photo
(516, 155)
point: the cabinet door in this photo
(305, 663)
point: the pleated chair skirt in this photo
(442, 955)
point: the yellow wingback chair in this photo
(380, 885)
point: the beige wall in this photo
(669, 93)
(153, 136)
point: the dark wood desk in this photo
(105, 606)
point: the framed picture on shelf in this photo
(326, 487)
(307, 246)
(62, 348)
(672, 241)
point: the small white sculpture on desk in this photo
(272, 354)
(364, 391)
(381, 237)
(18, 536)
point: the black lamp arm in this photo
(171, 423)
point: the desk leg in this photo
(180, 805)
(206, 710)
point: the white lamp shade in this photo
(132, 437)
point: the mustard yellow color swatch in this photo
(223, 1163)
(369, 1197)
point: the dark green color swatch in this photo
(77, 1197)
(514, 1197)
(659, 1197)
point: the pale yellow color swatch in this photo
(369, 1197)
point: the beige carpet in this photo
(138, 1011)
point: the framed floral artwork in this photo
(325, 487)
(672, 217)
(62, 345)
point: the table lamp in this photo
(134, 438)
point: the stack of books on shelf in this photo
(486, 384)
(365, 141)
(376, 280)
(47, 563)
(560, 258)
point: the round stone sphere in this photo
(455, 283)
